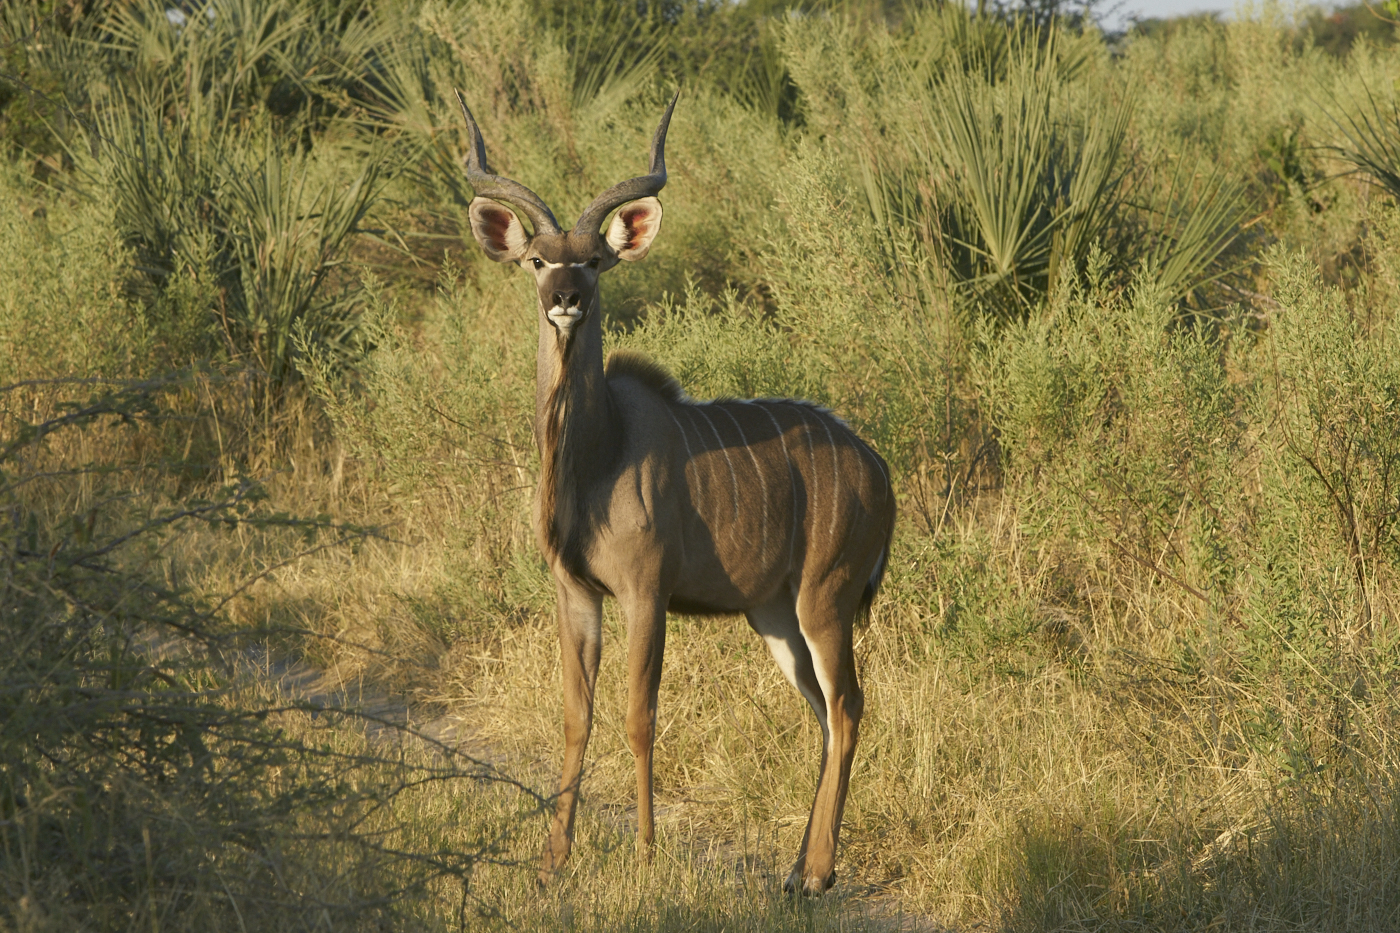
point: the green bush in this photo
(64, 305)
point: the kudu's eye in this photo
(539, 263)
(593, 263)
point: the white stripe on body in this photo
(868, 452)
(762, 483)
(733, 479)
(811, 450)
(689, 456)
(709, 479)
(889, 485)
(835, 477)
(684, 440)
(792, 482)
(813, 496)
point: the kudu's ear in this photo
(633, 228)
(498, 230)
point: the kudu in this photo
(769, 507)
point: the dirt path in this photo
(385, 716)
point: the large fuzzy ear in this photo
(498, 230)
(633, 228)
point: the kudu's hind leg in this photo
(776, 621)
(646, 642)
(580, 644)
(827, 619)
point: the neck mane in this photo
(578, 434)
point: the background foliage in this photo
(1120, 312)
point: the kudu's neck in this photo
(576, 428)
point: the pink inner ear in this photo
(496, 225)
(638, 221)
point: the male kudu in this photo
(769, 507)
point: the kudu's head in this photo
(566, 265)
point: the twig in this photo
(1164, 574)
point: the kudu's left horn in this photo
(500, 188)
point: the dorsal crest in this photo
(626, 363)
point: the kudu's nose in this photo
(566, 299)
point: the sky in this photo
(1124, 11)
(1161, 9)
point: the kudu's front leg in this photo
(580, 644)
(646, 642)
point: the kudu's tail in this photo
(877, 576)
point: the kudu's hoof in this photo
(810, 887)
(549, 865)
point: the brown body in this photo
(770, 507)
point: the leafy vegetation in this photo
(1120, 315)
(149, 779)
